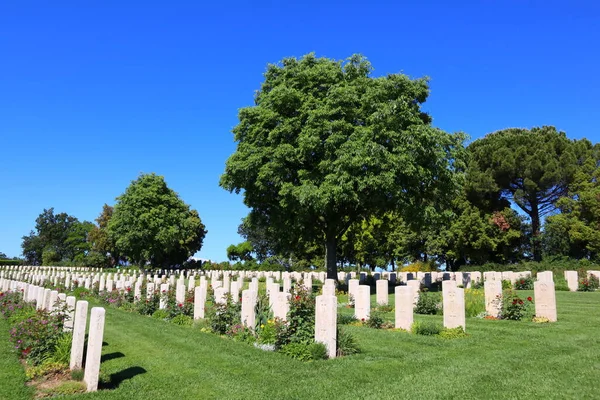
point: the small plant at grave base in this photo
(346, 343)
(477, 284)
(426, 328)
(160, 314)
(81, 292)
(305, 351)
(514, 308)
(540, 320)
(346, 319)
(64, 389)
(62, 350)
(506, 284)
(77, 374)
(36, 337)
(453, 333)
(351, 301)
(385, 308)
(267, 332)
(182, 320)
(428, 303)
(241, 333)
(375, 320)
(222, 316)
(300, 324)
(474, 302)
(45, 369)
(147, 306)
(524, 283)
(588, 284)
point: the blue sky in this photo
(93, 93)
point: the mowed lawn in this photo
(151, 359)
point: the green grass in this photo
(146, 358)
(12, 375)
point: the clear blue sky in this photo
(92, 93)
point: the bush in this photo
(241, 333)
(524, 283)
(346, 343)
(223, 316)
(62, 350)
(514, 308)
(36, 337)
(428, 303)
(375, 320)
(453, 333)
(588, 284)
(160, 314)
(300, 324)
(474, 302)
(182, 320)
(506, 284)
(426, 328)
(305, 351)
(346, 319)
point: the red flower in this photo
(362, 319)
(520, 301)
(129, 289)
(179, 305)
(515, 301)
(529, 298)
(522, 282)
(297, 297)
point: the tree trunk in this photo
(330, 254)
(536, 247)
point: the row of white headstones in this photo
(453, 296)
(75, 322)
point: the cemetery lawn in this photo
(150, 359)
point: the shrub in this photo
(160, 314)
(346, 343)
(524, 283)
(426, 328)
(300, 326)
(36, 337)
(515, 308)
(182, 320)
(222, 316)
(453, 333)
(506, 284)
(267, 334)
(474, 302)
(148, 306)
(241, 333)
(428, 303)
(346, 319)
(375, 320)
(385, 308)
(305, 351)
(588, 284)
(62, 350)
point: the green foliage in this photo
(182, 320)
(589, 284)
(223, 316)
(525, 283)
(62, 350)
(304, 351)
(346, 343)
(515, 308)
(453, 333)
(506, 284)
(57, 238)
(426, 328)
(151, 224)
(375, 320)
(326, 145)
(346, 319)
(301, 317)
(44, 369)
(160, 314)
(474, 302)
(533, 168)
(242, 252)
(77, 374)
(428, 303)
(37, 336)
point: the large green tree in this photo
(57, 238)
(326, 144)
(151, 224)
(532, 168)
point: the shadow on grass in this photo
(111, 356)
(117, 378)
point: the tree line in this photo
(342, 168)
(148, 225)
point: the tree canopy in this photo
(532, 168)
(326, 144)
(151, 224)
